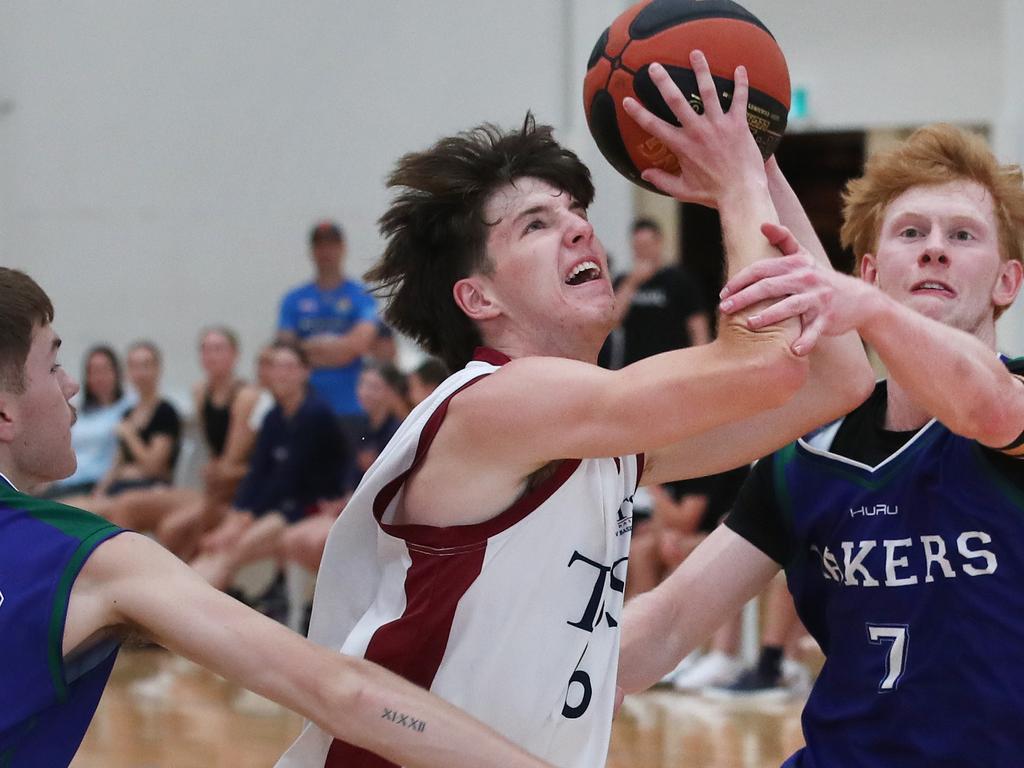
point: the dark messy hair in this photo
(435, 227)
(23, 306)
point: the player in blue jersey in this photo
(334, 319)
(72, 586)
(901, 526)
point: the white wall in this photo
(163, 161)
(884, 63)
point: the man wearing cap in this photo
(334, 319)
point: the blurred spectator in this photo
(94, 434)
(384, 349)
(657, 305)
(425, 379)
(297, 464)
(222, 403)
(334, 319)
(149, 433)
(382, 397)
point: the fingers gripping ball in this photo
(666, 31)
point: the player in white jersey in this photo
(484, 554)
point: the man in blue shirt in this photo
(333, 318)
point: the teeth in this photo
(583, 267)
(936, 286)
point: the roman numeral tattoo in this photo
(407, 721)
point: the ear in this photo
(869, 269)
(474, 299)
(8, 420)
(1008, 283)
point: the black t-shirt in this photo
(721, 490)
(164, 421)
(757, 515)
(656, 320)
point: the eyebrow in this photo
(531, 211)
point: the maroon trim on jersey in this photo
(639, 469)
(492, 356)
(463, 535)
(413, 645)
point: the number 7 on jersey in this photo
(898, 636)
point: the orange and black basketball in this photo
(666, 31)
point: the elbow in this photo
(779, 374)
(990, 424)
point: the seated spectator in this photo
(149, 436)
(383, 395)
(683, 514)
(94, 434)
(220, 396)
(425, 378)
(381, 392)
(297, 464)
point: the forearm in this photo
(660, 627)
(336, 350)
(742, 209)
(982, 401)
(150, 458)
(375, 709)
(792, 214)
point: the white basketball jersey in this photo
(514, 620)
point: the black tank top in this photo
(216, 419)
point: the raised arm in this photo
(839, 376)
(987, 401)
(132, 582)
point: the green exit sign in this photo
(799, 108)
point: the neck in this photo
(328, 279)
(221, 382)
(902, 414)
(377, 417)
(290, 403)
(148, 398)
(21, 481)
(567, 344)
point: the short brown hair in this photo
(23, 306)
(935, 154)
(436, 230)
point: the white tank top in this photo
(514, 620)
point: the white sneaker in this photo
(795, 677)
(715, 668)
(689, 660)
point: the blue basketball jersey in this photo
(910, 575)
(46, 701)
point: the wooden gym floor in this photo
(163, 712)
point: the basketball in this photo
(666, 31)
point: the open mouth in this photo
(932, 287)
(584, 272)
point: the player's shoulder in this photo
(62, 519)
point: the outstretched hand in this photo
(715, 150)
(827, 302)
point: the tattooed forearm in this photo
(407, 721)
